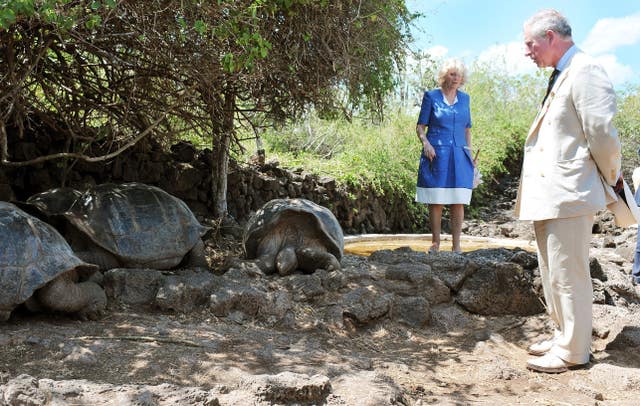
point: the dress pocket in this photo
(442, 160)
(467, 152)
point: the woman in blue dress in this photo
(445, 175)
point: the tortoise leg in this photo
(267, 263)
(63, 294)
(196, 258)
(266, 254)
(311, 259)
(33, 305)
(286, 261)
(4, 315)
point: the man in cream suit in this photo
(571, 163)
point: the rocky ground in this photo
(399, 327)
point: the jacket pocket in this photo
(577, 176)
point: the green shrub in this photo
(627, 122)
(356, 153)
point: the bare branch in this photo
(71, 155)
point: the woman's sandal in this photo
(434, 249)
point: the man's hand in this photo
(619, 185)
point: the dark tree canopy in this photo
(106, 74)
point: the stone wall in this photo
(186, 173)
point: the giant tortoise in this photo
(129, 225)
(38, 268)
(289, 234)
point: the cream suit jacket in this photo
(572, 152)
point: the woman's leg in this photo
(457, 216)
(435, 217)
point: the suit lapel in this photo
(545, 106)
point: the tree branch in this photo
(6, 162)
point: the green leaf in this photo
(93, 21)
(182, 23)
(228, 63)
(200, 27)
(7, 18)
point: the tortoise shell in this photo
(32, 253)
(138, 223)
(320, 220)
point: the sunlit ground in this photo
(367, 243)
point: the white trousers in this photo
(563, 260)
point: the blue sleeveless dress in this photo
(448, 179)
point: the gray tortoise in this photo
(289, 234)
(38, 268)
(129, 225)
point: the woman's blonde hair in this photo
(452, 64)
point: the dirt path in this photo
(458, 359)
(476, 361)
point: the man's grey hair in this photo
(544, 20)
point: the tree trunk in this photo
(221, 158)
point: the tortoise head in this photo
(56, 202)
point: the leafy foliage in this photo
(105, 74)
(502, 108)
(383, 156)
(114, 64)
(628, 124)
